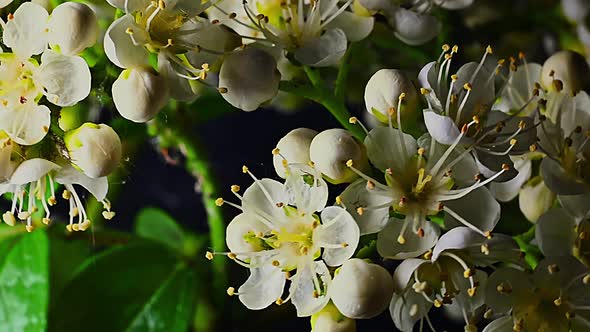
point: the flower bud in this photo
(139, 94)
(329, 319)
(73, 26)
(535, 199)
(361, 290)
(294, 148)
(94, 148)
(331, 149)
(568, 67)
(249, 78)
(7, 164)
(382, 94)
(575, 10)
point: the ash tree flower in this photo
(421, 179)
(286, 232)
(294, 147)
(64, 79)
(448, 277)
(561, 233)
(468, 97)
(382, 94)
(552, 298)
(316, 33)
(139, 94)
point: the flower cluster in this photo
(41, 73)
(493, 130)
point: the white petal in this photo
(337, 228)
(372, 220)
(32, 170)
(250, 77)
(389, 247)
(238, 228)
(98, 187)
(558, 180)
(306, 189)
(26, 125)
(535, 198)
(517, 280)
(73, 27)
(119, 46)
(25, 33)
(263, 196)
(382, 93)
(403, 306)
(294, 147)
(132, 5)
(456, 238)
(479, 208)
(555, 233)
(503, 324)
(403, 272)
(303, 289)
(385, 150)
(414, 28)
(577, 206)
(139, 94)
(324, 51)
(454, 4)
(5, 3)
(507, 191)
(264, 286)
(179, 88)
(66, 79)
(356, 27)
(441, 128)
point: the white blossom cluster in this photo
(493, 130)
(40, 73)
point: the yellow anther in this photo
(279, 301)
(424, 91)
(338, 200)
(428, 255)
(108, 215)
(276, 263)
(558, 301)
(521, 55)
(402, 96)
(468, 273)
(245, 169)
(475, 119)
(69, 228)
(454, 77)
(513, 141)
(446, 47)
(353, 119)
(489, 49)
(421, 151)
(360, 211)
(235, 188)
(129, 31)
(46, 221)
(345, 245)
(66, 194)
(76, 227)
(485, 249)
(467, 86)
(209, 255)
(455, 49)
(488, 234)
(437, 303)
(276, 151)
(349, 163)
(533, 148)
(586, 279)
(370, 185)
(29, 228)
(401, 239)
(488, 314)
(222, 90)
(231, 291)
(219, 201)
(471, 291)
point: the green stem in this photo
(343, 72)
(531, 252)
(314, 77)
(336, 107)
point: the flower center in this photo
(17, 85)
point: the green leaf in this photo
(139, 287)
(24, 282)
(157, 225)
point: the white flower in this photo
(553, 298)
(94, 148)
(570, 68)
(293, 147)
(316, 32)
(33, 181)
(139, 94)
(79, 20)
(560, 233)
(386, 90)
(448, 276)
(279, 232)
(331, 149)
(361, 290)
(422, 178)
(249, 78)
(465, 101)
